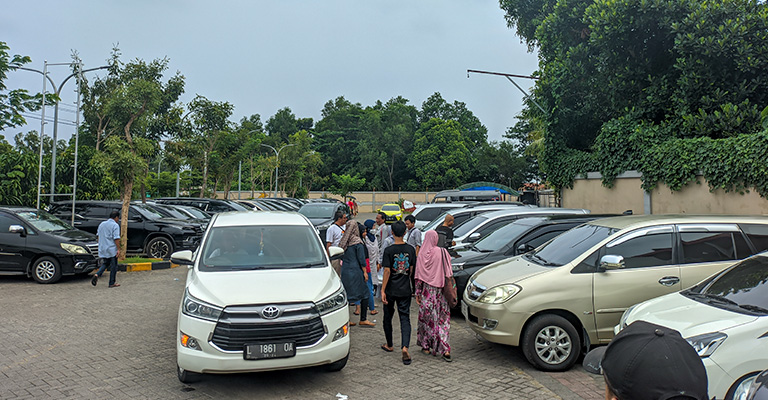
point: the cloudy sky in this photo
(263, 55)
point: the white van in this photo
(260, 295)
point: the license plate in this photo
(464, 309)
(260, 351)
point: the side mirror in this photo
(523, 248)
(137, 219)
(473, 237)
(609, 262)
(18, 229)
(184, 257)
(336, 253)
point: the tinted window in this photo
(43, 221)
(501, 237)
(534, 241)
(457, 221)
(428, 214)
(700, 247)
(468, 226)
(571, 244)
(323, 211)
(746, 283)
(6, 221)
(96, 212)
(645, 251)
(493, 226)
(758, 235)
(218, 207)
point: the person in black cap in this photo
(649, 362)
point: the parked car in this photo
(516, 237)
(426, 213)
(481, 225)
(170, 211)
(461, 215)
(320, 214)
(393, 212)
(149, 232)
(725, 318)
(211, 206)
(192, 212)
(39, 245)
(571, 292)
(450, 196)
(260, 295)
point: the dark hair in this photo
(382, 215)
(114, 214)
(362, 229)
(410, 218)
(338, 215)
(398, 229)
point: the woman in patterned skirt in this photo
(433, 265)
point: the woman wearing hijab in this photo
(353, 275)
(432, 267)
(372, 247)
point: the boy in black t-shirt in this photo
(398, 261)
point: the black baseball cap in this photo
(649, 362)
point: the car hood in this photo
(510, 270)
(226, 288)
(74, 235)
(687, 316)
(320, 221)
(469, 256)
(390, 213)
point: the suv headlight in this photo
(73, 248)
(707, 343)
(623, 321)
(499, 294)
(199, 309)
(332, 303)
(457, 266)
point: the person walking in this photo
(108, 235)
(434, 322)
(333, 237)
(398, 262)
(445, 232)
(413, 235)
(372, 249)
(353, 275)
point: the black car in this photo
(321, 214)
(211, 206)
(148, 231)
(39, 245)
(518, 237)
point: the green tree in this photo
(14, 102)
(436, 107)
(345, 184)
(441, 156)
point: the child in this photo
(398, 262)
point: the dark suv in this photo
(148, 231)
(211, 206)
(41, 246)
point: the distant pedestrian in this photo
(353, 275)
(445, 232)
(333, 236)
(108, 235)
(398, 262)
(413, 235)
(648, 361)
(372, 250)
(432, 267)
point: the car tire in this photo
(46, 270)
(159, 247)
(338, 365)
(551, 343)
(187, 376)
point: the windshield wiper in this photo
(751, 307)
(535, 257)
(310, 265)
(714, 297)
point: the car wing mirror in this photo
(523, 248)
(336, 253)
(473, 237)
(17, 229)
(610, 261)
(184, 257)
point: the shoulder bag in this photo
(449, 287)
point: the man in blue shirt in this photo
(109, 248)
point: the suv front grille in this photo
(93, 248)
(475, 290)
(241, 325)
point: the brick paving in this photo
(73, 341)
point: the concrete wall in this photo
(627, 194)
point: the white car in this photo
(725, 318)
(260, 295)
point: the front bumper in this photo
(495, 322)
(77, 263)
(214, 361)
(391, 219)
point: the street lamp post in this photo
(277, 160)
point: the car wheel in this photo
(338, 365)
(46, 270)
(187, 376)
(739, 389)
(551, 343)
(159, 247)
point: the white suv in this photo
(260, 295)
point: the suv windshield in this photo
(147, 212)
(743, 287)
(230, 248)
(500, 237)
(319, 211)
(571, 244)
(44, 222)
(390, 208)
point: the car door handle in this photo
(669, 280)
(78, 223)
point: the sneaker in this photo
(115, 285)
(94, 280)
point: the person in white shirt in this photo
(333, 237)
(413, 236)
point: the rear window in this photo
(390, 208)
(758, 235)
(702, 247)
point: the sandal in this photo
(426, 351)
(373, 312)
(406, 358)
(447, 357)
(367, 323)
(387, 349)
(352, 323)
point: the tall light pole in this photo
(277, 160)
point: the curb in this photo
(147, 266)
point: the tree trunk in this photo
(205, 174)
(126, 198)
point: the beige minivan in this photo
(569, 293)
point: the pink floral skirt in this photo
(434, 319)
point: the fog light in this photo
(490, 324)
(189, 342)
(341, 332)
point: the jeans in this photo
(403, 311)
(371, 303)
(110, 262)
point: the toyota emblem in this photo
(270, 312)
